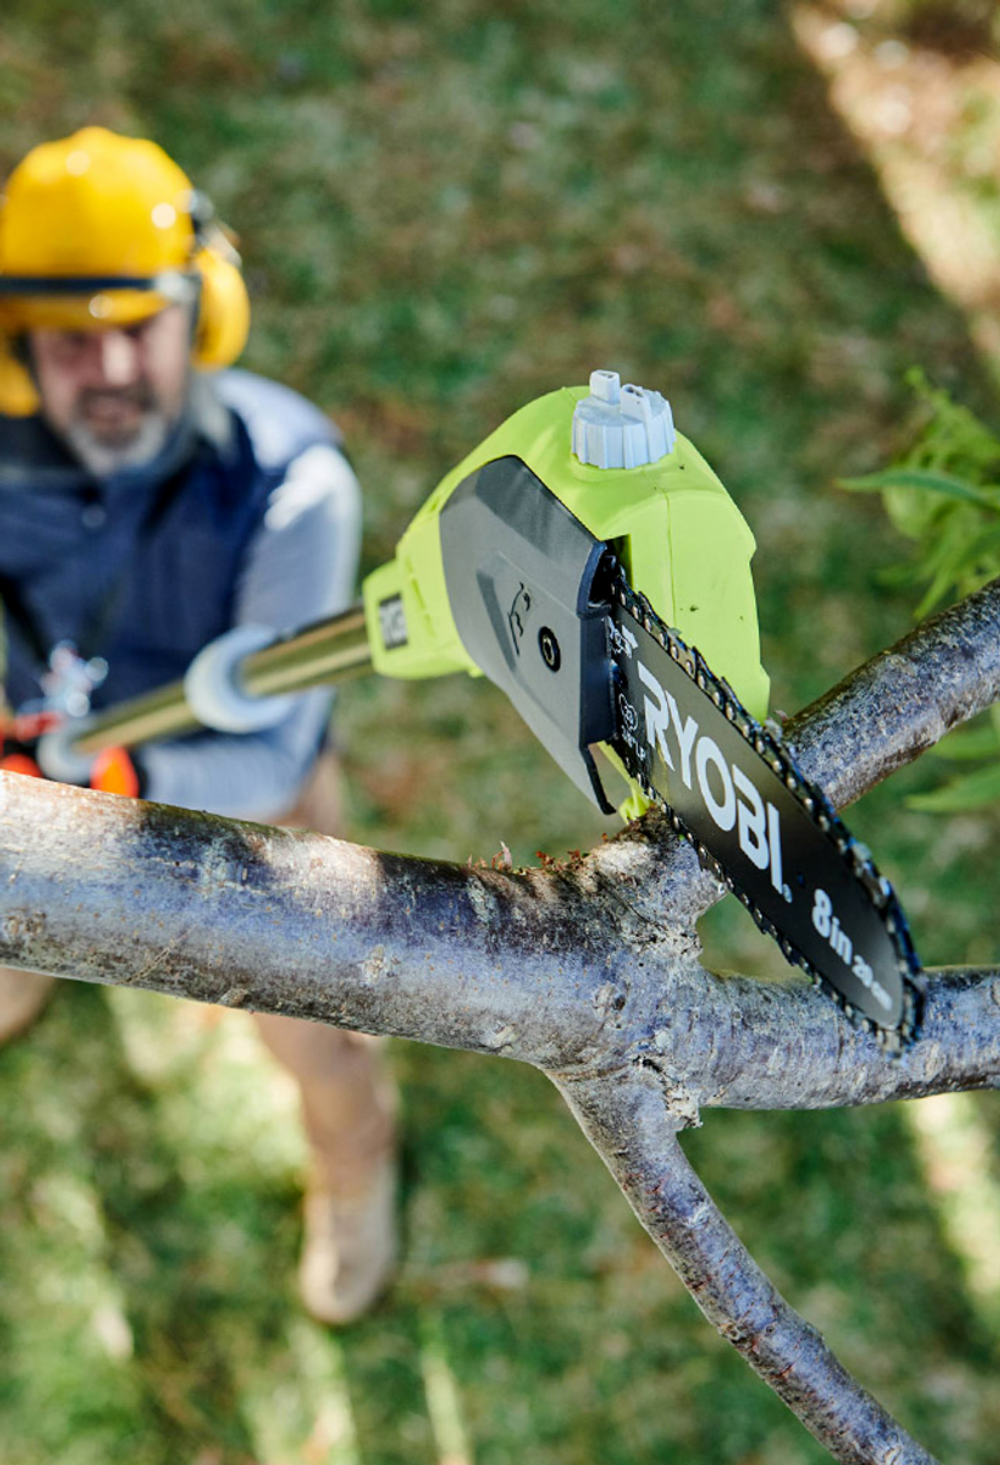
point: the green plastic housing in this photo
(683, 542)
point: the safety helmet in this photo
(100, 230)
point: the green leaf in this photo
(968, 743)
(974, 791)
(943, 483)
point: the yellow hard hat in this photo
(99, 230)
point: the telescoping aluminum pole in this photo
(328, 652)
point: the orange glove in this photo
(114, 772)
(17, 762)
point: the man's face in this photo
(114, 394)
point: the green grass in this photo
(446, 209)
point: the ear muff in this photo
(18, 397)
(224, 308)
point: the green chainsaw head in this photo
(678, 535)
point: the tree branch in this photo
(743, 1043)
(110, 890)
(557, 969)
(626, 1122)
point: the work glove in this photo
(113, 771)
(117, 771)
(17, 758)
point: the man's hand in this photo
(115, 771)
(15, 758)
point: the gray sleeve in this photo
(300, 567)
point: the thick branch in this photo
(110, 890)
(555, 969)
(626, 1123)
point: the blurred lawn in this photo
(445, 210)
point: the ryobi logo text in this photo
(731, 798)
(392, 622)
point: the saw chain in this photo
(731, 787)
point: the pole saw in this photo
(587, 560)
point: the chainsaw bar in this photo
(772, 837)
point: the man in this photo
(147, 505)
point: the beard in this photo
(115, 428)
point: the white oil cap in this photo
(621, 427)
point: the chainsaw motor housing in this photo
(438, 605)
